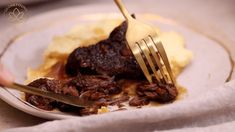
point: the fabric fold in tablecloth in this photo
(213, 109)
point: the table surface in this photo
(215, 18)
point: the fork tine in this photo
(151, 46)
(164, 57)
(143, 46)
(137, 53)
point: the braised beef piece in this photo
(97, 83)
(45, 84)
(157, 92)
(55, 86)
(40, 102)
(138, 101)
(93, 87)
(146, 92)
(109, 57)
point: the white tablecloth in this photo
(211, 17)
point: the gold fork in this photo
(146, 46)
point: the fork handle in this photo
(124, 11)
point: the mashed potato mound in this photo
(87, 34)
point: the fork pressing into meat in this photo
(147, 49)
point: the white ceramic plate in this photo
(210, 67)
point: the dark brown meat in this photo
(55, 86)
(157, 92)
(93, 87)
(139, 101)
(96, 83)
(108, 57)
